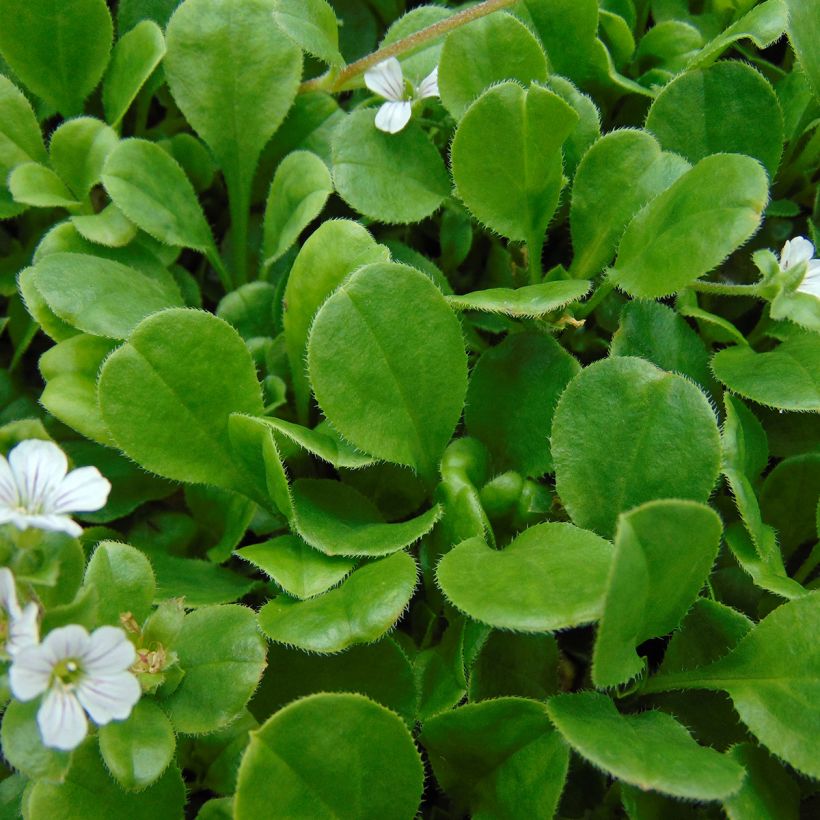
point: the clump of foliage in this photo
(437, 389)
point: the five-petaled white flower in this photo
(36, 489)
(77, 672)
(387, 80)
(799, 250)
(18, 626)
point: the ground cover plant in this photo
(409, 410)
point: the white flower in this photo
(36, 489)
(799, 250)
(76, 671)
(387, 80)
(18, 627)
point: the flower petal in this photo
(82, 490)
(52, 523)
(795, 251)
(393, 116)
(109, 651)
(109, 697)
(8, 486)
(8, 593)
(65, 642)
(38, 467)
(30, 673)
(386, 79)
(61, 720)
(810, 285)
(24, 630)
(428, 87)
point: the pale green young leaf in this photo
(337, 519)
(124, 580)
(167, 395)
(78, 150)
(299, 569)
(506, 158)
(664, 551)
(513, 390)
(552, 576)
(501, 758)
(110, 227)
(33, 184)
(530, 301)
(135, 56)
(38, 309)
(616, 429)
(223, 655)
(324, 757)
(620, 174)
(588, 128)
(357, 349)
(58, 50)
(297, 195)
(312, 25)
(393, 178)
(485, 52)
(334, 250)
(366, 605)
(690, 228)
(20, 137)
(650, 750)
(728, 107)
(138, 750)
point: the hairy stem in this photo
(722, 289)
(342, 80)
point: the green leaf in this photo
(785, 378)
(420, 61)
(650, 750)
(788, 500)
(138, 750)
(358, 347)
(337, 519)
(297, 568)
(393, 178)
(664, 551)
(728, 107)
(58, 50)
(23, 747)
(234, 75)
(109, 227)
(768, 790)
(312, 25)
(531, 301)
(250, 309)
(770, 675)
(324, 757)
(223, 655)
(552, 576)
(618, 427)
(90, 791)
(618, 176)
(652, 331)
(198, 583)
(124, 580)
(361, 610)
(690, 228)
(135, 56)
(33, 184)
(99, 296)
(78, 150)
(20, 137)
(488, 50)
(513, 390)
(506, 158)
(501, 758)
(588, 128)
(297, 195)
(804, 29)
(151, 189)
(334, 250)
(381, 671)
(167, 394)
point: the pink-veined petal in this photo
(386, 79)
(428, 87)
(39, 467)
(109, 651)
(61, 720)
(8, 593)
(8, 486)
(109, 697)
(82, 490)
(30, 673)
(393, 116)
(24, 630)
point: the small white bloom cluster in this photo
(387, 80)
(74, 671)
(799, 250)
